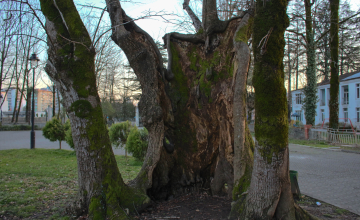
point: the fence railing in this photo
(345, 136)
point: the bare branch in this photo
(196, 22)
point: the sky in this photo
(156, 26)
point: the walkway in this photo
(21, 139)
(328, 175)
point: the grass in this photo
(312, 143)
(40, 183)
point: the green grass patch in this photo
(40, 183)
(312, 143)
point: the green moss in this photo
(180, 82)
(205, 86)
(244, 33)
(77, 60)
(201, 31)
(82, 108)
(97, 209)
(238, 208)
(271, 127)
(242, 185)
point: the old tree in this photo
(197, 103)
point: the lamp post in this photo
(33, 62)
(136, 102)
(1, 99)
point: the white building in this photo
(349, 101)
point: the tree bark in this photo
(191, 105)
(310, 89)
(334, 67)
(269, 195)
(102, 192)
(196, 22)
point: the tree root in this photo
(301, 214)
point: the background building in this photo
(349, 101)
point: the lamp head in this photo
(34, 60)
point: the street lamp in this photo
(1, 99)
(136, 102)
(33, 63)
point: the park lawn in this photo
(40, 183)
(311, 143)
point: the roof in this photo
(344, 77)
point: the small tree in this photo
(137, 142)
(68, 135)
(54, 130)
(118, 134)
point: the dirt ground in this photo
(202, 206)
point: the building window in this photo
(322, 97)
(345, 114)
(299, 117)
(345, 95)
(328, 95)
(358, 114)
(357, 90)
(298, 98)
(322, 115)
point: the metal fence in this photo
(338, 136)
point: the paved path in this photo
(328, 175)
(21, 139)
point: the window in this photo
(345, 95)
(345, 114)
(322, 97)
(358, 114)
(357, 91)
(298, 98)
(322, 115)
(299, 113)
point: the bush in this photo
(17, 127)
(54, 130)
(118, 133)
(137, 142)
(68, 134)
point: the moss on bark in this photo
(103, 192)
(310, 89)
(271, 124)
(334, 67)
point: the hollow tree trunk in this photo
(269, 195)
(102, 192)
(190, 103)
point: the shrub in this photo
(17, 127)
(68, 134)
(137, 142)
(119, 132)
(54, 130)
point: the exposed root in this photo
(301, 214)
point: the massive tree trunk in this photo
(191, 103)
(198, 104)
(334, 67)
(102, 192)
